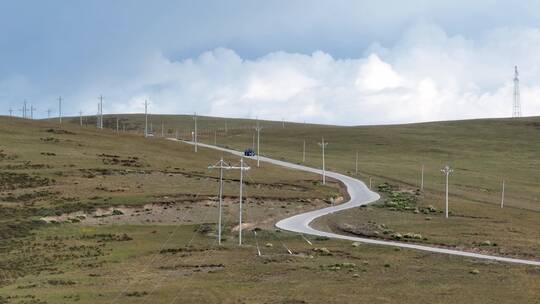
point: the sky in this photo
(333, 62)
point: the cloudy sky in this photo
(340, 62)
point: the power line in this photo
(154, 257)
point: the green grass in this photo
(137, 271)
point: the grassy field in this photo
(481, 152)
(175, 264)
(49, 171)
(148, 256)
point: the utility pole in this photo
(48, 113)
(215, 138)
(10, 112)
(356, 163)
(24, 109)
(221, 165)
(162, 129)
(195, 133)
(446, 171)
(101, 111)
(502, 194)
(145, 118)
(117, 125)
(97, 116)
(283, 123)
(304, 152)
(422, 180)
(323, 145)
(32, 109)
(60, 109)
(258, 129)
(516, 113)
(242, 168)
(225, 126)
(80, 117)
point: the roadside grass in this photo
(135, 270)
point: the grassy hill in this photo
(481, 152)
(66, 173)
(145, 255)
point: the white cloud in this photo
(427, 75)
(376, 75)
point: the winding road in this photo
(359, 195)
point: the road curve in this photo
(359, 195)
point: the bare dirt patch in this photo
(257, 213)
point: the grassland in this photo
(129, 264)
(482, 153)
(47, 170)
(178, 261)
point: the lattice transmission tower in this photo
(517, 105)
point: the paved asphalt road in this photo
(359, 195)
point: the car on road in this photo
(249, 152)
